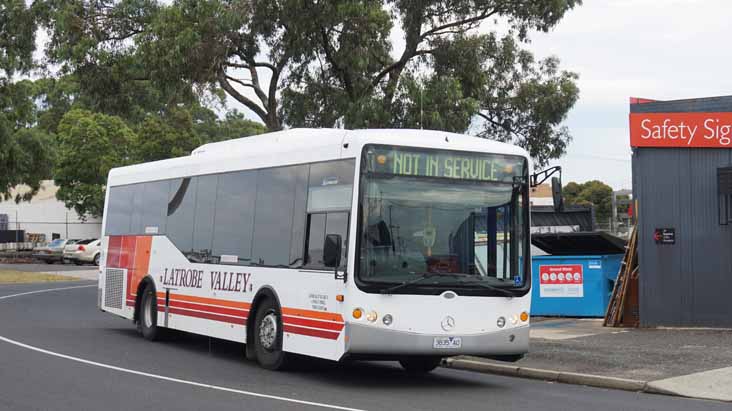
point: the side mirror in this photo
(332, 250)
(557, 194)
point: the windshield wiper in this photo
(480, 283)
(422, 277)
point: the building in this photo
(541, 195)
(47, 216)
(682, 185)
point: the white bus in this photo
(408, 245)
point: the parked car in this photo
(53, 251)
(84, 251)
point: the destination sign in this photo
(446, 164)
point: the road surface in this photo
(57, 351)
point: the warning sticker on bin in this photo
(566, 280)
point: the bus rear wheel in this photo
(148, 318)
(268, 337)
(420, 365)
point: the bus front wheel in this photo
(420, 365)
(268, 337)
(148, 318)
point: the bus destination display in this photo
(446, 164)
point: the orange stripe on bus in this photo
(295, 312)
(312, 314)
(142, 254)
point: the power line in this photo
(580, 156)
(54, 222)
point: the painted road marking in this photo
(48, 290)
(156, 376)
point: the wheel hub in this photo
(268, 331)
(147, 317)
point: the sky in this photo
(662, 49)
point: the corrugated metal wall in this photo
(688, 283)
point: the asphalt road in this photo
(44, 268)
(57, 351)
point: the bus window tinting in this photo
(138, 206)
(273, 215)
(234, 217)
(316, 240)
(337, 223)
(181, 203)
(207, 217)
(332, 172)
(203, 224)
(155, 205)
(299, 218)
(119, 210)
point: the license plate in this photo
(447, 342)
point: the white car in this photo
(84, 251)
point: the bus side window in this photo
(337, 223)
(319, 225)
(315, 240)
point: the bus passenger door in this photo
(317, 328)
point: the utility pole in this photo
(17, 230)
(421, 86)
(614, 213)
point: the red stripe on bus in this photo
(313, 323)
(208, 308)
(330, 335)
(208, 316)
(205, 300)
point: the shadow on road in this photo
(347, 374)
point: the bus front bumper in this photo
(365, 339)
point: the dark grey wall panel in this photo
(710, 104)
(688, 283)
(661, 287)
(711, 243)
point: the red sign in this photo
(560, 274)
(691, 130)
(561, 280)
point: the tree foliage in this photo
(90, 144)
(319, 63)
(155, 70)
(17, 38)
(595, 193)
(25, 154)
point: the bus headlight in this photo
(387, 320)
(357, 313)
(501, 322)
(372, 316)
(514, 319)
(524, 316)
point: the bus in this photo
(405, 245)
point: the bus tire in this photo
(419, 365)
(268, 336)
(148, 318)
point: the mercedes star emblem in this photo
(448, 323)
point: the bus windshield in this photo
(436, 219)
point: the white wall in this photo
(44, 214)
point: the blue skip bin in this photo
(574, 285)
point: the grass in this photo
(18, 277)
